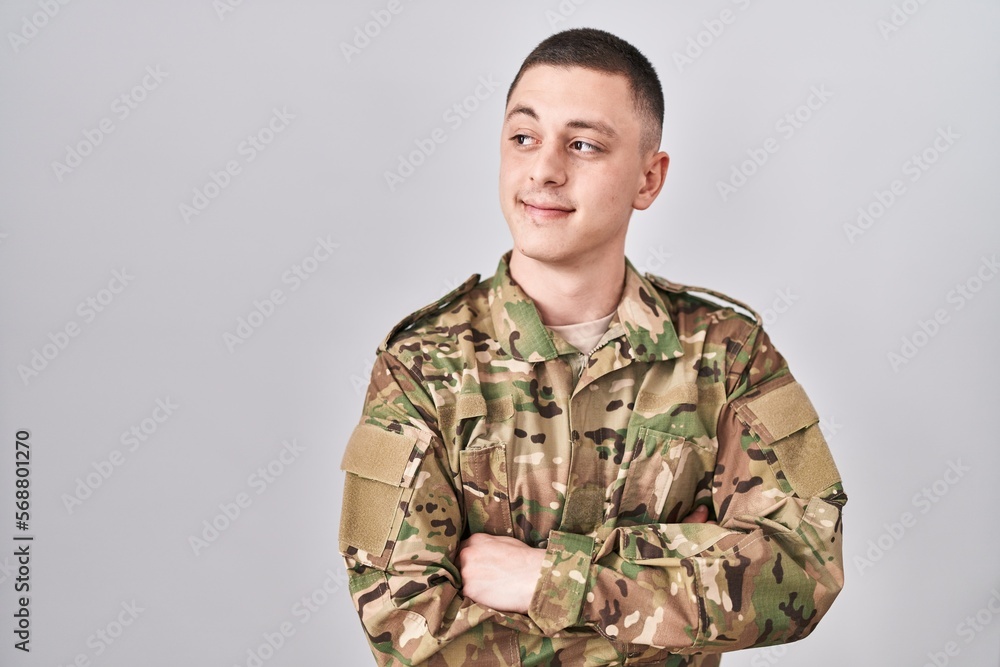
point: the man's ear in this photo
(653, 177)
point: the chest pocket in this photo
(483, 463)
(663, 478)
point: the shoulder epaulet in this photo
(435, 307)
(677, 287)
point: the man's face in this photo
(571, 167)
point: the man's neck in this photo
(571, 294)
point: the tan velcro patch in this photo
(475, 405)
(779, 412)
(378, 454)
(368, 513)
(646, 402)
(584, 510)
(499, 409)
(446, 419)
(806, 461)
(469, 405)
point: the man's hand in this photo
(698, 515)
(499, 572)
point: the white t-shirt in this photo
(585, 335)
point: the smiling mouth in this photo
(544, 210)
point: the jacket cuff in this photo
(562, 584)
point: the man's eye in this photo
(522, 140)
(585, 147)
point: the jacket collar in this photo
(642, 318)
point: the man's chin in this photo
(544, 253)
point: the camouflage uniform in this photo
(479, 419)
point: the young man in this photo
(570, 463)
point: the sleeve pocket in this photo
(786, 422)
(380, 465)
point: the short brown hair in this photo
(595, 49)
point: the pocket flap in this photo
(484, 488)
(378, 454)
(778, 413)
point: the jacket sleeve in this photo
(401, 523)
(765, 574)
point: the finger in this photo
(698, 515)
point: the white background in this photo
(777, 242)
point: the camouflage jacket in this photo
(480, 419)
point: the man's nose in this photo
(549, 167)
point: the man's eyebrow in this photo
(521, 109)
(577, 124)
(595, 125)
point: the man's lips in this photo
(546, 209)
